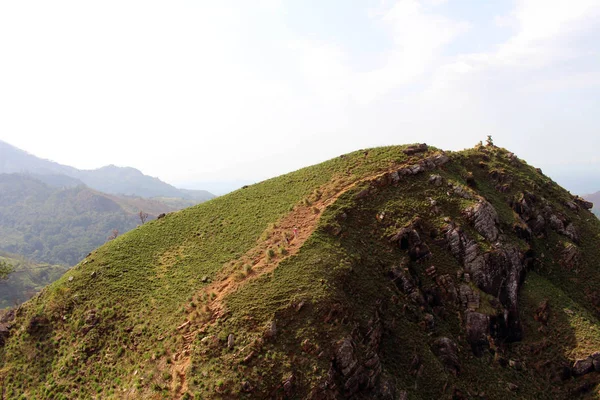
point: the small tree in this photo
(489, 141)
(113, 235)
(143, 216)
(5, 270)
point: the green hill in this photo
(393, 273)
(27, 279)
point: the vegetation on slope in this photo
(248, 296)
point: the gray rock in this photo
(588, 205)
(582, 367)
(346, 357)
(418, 148)
(596, 361)
(484, 218)
(436, 180)
(478, 329)
(447, 352)
(231, 341)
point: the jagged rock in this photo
(582, 367)
(448, 290)
(469, 298)
(477, 328)
(484, 218)
(596, 361)
(498, 272)
(419, 148)
(345, 358)
(462, 192)
(571, 205)
(588, 205)
(409, 239)
(570, 256)
(436, 180)
(447, 352)
(271, 331)
(403, 280)
(440, 159)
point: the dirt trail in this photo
(297, 227)
(289, 233)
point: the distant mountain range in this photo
(109, 179)
(61, 225)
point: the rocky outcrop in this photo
(356, 368)
(409, 239)
(588, 205)
(447, 352)
(478, 329)
(485, 219)
(498, 272)
(418, 148)
(570, 257)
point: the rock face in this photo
(498, 272)
(408, 238)
(356, 368)
(485, 219)
(478, 329)
(447, 352)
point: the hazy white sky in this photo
(194, 91)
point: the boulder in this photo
(588, 205)
(582, 367)
(415, 149)
(484, 218)
(447, 352)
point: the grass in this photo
(145, 284)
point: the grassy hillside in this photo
(27, 279)
(386, 273)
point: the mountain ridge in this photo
(110, 178)
(397, 272)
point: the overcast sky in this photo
(194, 91)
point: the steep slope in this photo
(28, 278)
(594, 198)
(61, 226)
(387, 273)
(109, 179)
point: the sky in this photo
(204, 91)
